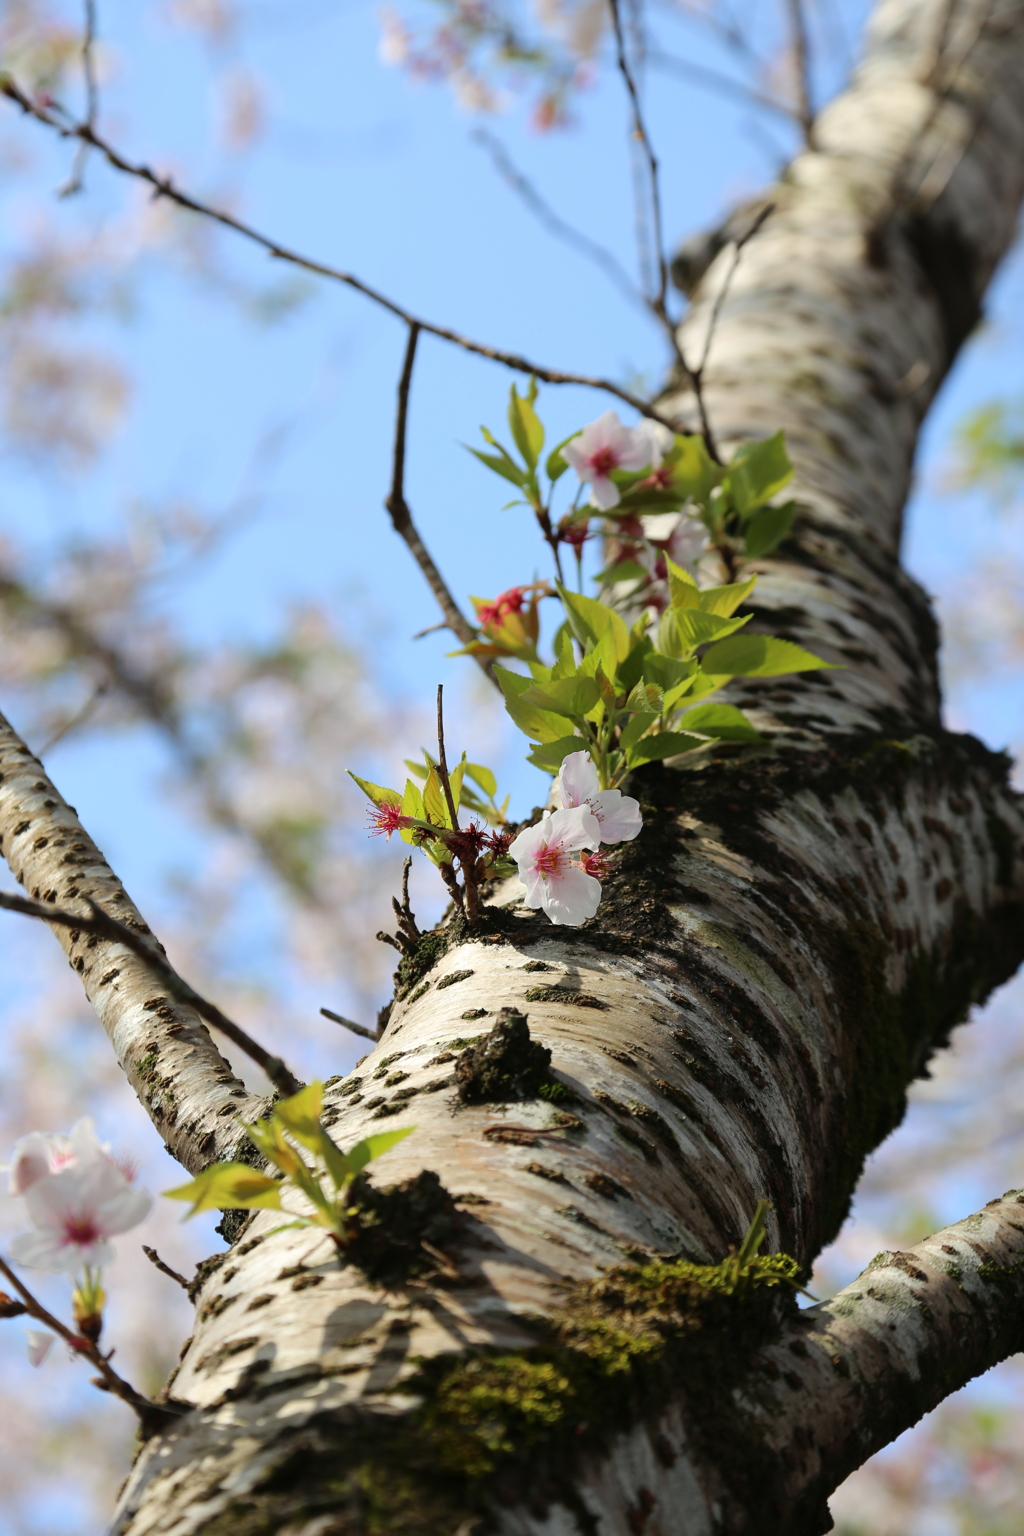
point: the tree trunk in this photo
(564, 1344)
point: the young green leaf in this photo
(539, 725)
(694, 472)
(590, 619)
(229, 1187)
(549, 756)
(681, 586)
(758, 656)
(376, 792)
(725, 600)
(645, 699)
(722, 721)
(300, 1114)
(757, 472)
(526, 427)
(652, 749)
(372, 1147)
(484, 777)
(434, 802)
(767, 529)
(505, 466)
(555, 465)
(570, 697)
(681, 630)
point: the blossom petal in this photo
(577, 779)
(31, 1162)
(39, 1345)
(604, 493)
(618, 815)
(571, 900)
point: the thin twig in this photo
(92, 101)
(720, 296)
(164, 187)
(714, 80)
(442, 762)
(145, 1407)
(109, 928)
(553, 222)
(357, 1029)
(802, 66)
(165, 1269)
(640, 130)
(401, 517)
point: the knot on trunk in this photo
(504, 1065)
(400, 1232)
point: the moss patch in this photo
(504, 1066)
(391, 1226)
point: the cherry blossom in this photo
(39, 1345)
(553, 879)
(387, 818)
(603, 446)
(618, 815)
(77, 1197)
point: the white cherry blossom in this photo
(76, 1196)
(553, 879)
(38, 1344)
(603, 446)
(617, 815)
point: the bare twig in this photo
(722, 293)
(553, 222)
(802, 66)
(165, 1269)
(714, 80)
(163, 186)
(442, 762)
(148, 950)
(149, 1412)
(92, 101)
(401, 517)
(357, 1029)
(657, 300)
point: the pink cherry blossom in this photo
(603, 446)
(617, 815)
(39, 1345)
(76, 1196)
(552, 878)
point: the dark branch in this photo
(802, 66)
(150, 1413)
(654, 188)
(357, 1029)
(92, 100)
(554, 223)
(165, 1269)
(164, 187)
(109, 928)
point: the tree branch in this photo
(151, 1414)
(107, 927)
(164, 187)
(802, 67)
(92, 101)
(401, 517)
(185, 1084)
(850, 1375)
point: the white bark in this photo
(796, 929)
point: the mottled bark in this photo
(797, 928)
(189, 1090)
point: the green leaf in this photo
(455, 778)
(412, 805)
(665, 744)
(720, 720)
(434, 802)
(550, 755)
(300, 1114)
(624, 570)
(590, 620)
(633, 730)
(694, 472)
(758, 656)
(725, 600)
(229, 1187)
(526, 427)
(505, 466)
(372, 1147)
(539, 725)
(632, 669)
(376, 792)
(419, 769)
(645, 699)
(570, 697)
(681, 585)
(767, 529)
(681, 630)
(666, 671)
(484, 777)
(757, 472)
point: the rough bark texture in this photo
(797, 928)
(189, 1090)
